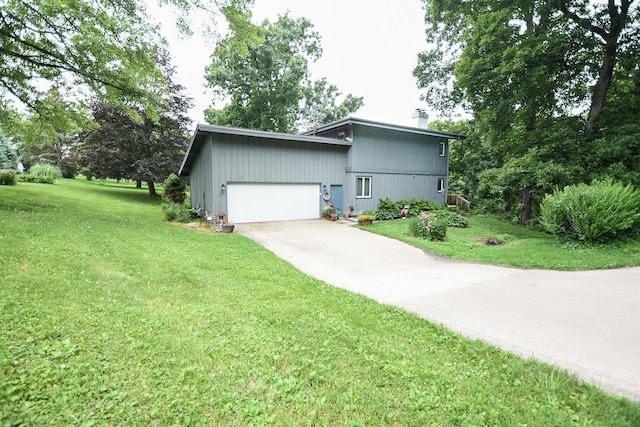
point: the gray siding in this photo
(201, 179)
(401, 165)
(228, 159)
(396, 187)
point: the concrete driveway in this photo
(585, 322)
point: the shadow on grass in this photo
(124, 190)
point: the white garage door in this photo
(272, 202)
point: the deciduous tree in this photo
(88, 49)
(262, 72)
(523, 67)
(102, 48)
(144, 150)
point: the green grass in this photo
(521, 247)
(110, 316)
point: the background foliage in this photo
(262, 72)
(552, 88)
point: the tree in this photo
(554, 48)
(262, 71)
(43, 140)
(8, 156)
(520, 66)
(320, 105)
(102, 47)
(174, 189)
(614, 27)
(147, 150)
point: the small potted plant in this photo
(365, 219)
(221, 215)
(329, 212)
(348, 214)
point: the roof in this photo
(370, 123)
(203, 131)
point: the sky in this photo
(370, 49)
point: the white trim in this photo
(440, 185)
(360, 188)
(443, 149)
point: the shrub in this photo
(420, 205)
(174, 189)
(428, 225)
(383, 214)
(42, 179)
(45, 170)
(597, 213)
(455, 219)
(69, 171)
(391, 210)
(178, 212)
(414, 229)
(8, 177)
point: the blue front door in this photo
(336, 197)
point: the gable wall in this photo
(228, 159)
(402, 165)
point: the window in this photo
(443, 149)
(440, 185)
(363, 187)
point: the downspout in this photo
(445, 191)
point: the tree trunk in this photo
(527, 207)
(618, 20)
(58, 149)
(602, 86)
(152, 188)
(507, 200)
(138, 183)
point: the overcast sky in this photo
(370, 49)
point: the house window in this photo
(363, 187)
(443, 148)
(440, 185)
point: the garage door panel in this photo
(272, 202)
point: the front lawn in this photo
(111, 316)
(517, 246)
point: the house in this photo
(257, 176)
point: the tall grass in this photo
(111, 316)
(46, 170)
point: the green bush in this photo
(597, 213)
(41, 179)
(8, 177)
(414, 229)
(384, 214)
(178, 212)
(45, 170)
(174, 189)
(392, 210)
(455, 219)
(69, 171)
(428, 225)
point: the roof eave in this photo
(354, 120)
